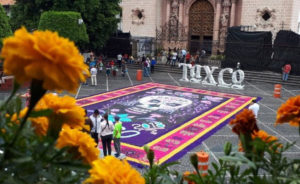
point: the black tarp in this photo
(252, 49)
(286, 50)
(119, 43)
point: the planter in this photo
(213, 62)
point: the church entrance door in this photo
(201, 22)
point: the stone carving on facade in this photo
(173, 20)
(265, 18)
(224, 24)
(223, 31)
(138, 16)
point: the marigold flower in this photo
(3, 130)
(111, 170)
(65, 110)
(15, 117)
(85, 144)
(240, 147)
(264, 136)
(40, 125)
(46, 57)
(289, 112)
(244, 122)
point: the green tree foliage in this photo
(98, 15)
(66, 24)
(5, 29)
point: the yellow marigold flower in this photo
(289, 112)
(111, 170)
(85, 144)
(244, 122)
(44, 56)
(64, 109)
(7, 115)
(40, 125)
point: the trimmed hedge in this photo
(5, 29)
(66, 23)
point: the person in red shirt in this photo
(188, 57)
(286, 71)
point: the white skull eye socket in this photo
(173, 104)
(154, 101)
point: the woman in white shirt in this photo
(107, 128)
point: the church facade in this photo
(202, 24)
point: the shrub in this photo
(5, 29)
(67, 24)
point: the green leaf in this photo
(22, 160)
(46, 112)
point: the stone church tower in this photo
(202, 24)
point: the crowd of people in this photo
(101, 128)
(171, 57)
(110, 67)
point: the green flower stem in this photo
(36, 93)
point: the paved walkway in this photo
(214, 144)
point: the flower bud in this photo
(227, 148)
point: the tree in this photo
(5, 29)
(66, 23)
(98, 15)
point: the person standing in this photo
(119, 59)
(108, 68)
(96, 129)
(254, 107)
(147, 65)
(123, 68)
(117, 135)
(88, 123)
(286, 71)
(169, 58)
(27, 97)
(153, 63)
(183, 53)
(188, 57)
(174, 58)
(94, 76)
(107, 128)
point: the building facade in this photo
(202, 24)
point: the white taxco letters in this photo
(195, 76)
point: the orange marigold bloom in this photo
(85, 144)
(244, 122)
(111, 170)
(289, 112)
(64, 109)
(15, 117)
(46, 57)
(264, 136)
(240, 147)
(40, 125)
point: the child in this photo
(117, 135)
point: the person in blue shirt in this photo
(153, 63)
